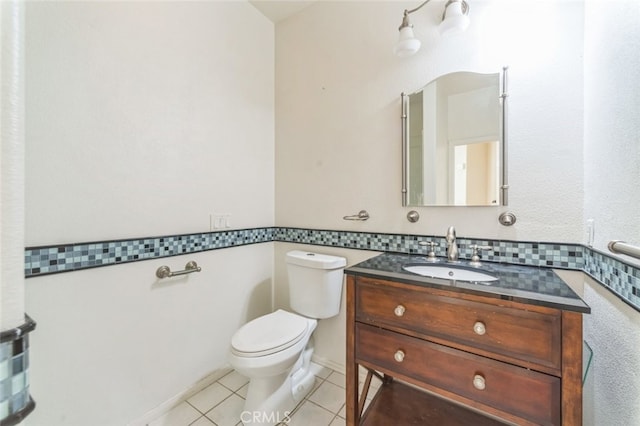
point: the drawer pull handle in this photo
(479, 328)
(478, 382)
(399, 356)
(399, 310)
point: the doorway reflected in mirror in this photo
(454, 142)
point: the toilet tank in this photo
(315, 283)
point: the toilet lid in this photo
(269, 334)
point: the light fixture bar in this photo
(406, 12)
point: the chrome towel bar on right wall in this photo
(620, 247)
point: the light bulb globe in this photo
(407, 44)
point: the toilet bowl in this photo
(274, 351)
(271, 344)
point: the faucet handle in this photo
(431, 255)
(475, 258)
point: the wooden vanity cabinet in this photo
(476, 359)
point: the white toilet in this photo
(274, 351)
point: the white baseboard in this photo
(340, 368)
(181, 396)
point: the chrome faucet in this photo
(452, 247)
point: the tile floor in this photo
(220, 403)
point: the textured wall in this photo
(573, 97)
(338, 121)
(612, 389)
(338, 91)
(142, 119)
(12, 166)
(133, 101)
(612, 199)
(149, 126)
(113, 343)
(612, 128)
(330, 336)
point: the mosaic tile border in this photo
(72, 257)
(15, 401)
(620, 278)
(568, 256)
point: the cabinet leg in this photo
(353, 417)
(571, 369)
(365, 392)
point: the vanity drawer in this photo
(524, 393)
(508, 334)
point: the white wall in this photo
(12, 165)
(142, 119)
(338, 109)
(338, 91)
(114, 343)
(612, 128)
(129, 100)
(612, 199)
(613, 332)
(573, 95)
(330, 337)
(139, 113)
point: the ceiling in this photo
(279, 10)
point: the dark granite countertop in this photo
(525, 284)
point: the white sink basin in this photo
(449, 272)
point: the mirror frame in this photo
(503, 184)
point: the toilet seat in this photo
(269, 334)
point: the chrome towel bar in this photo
(620, 247)
(362, 215)
(165, 272)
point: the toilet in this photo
(274, 351)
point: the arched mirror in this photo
(454, 141)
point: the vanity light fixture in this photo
(454, 19)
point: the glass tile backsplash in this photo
(622, 279)
(15, 401)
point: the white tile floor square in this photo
(220, 403)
